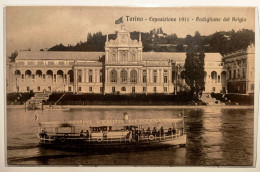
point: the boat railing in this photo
(121, 137)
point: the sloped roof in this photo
(178, 56)
(93, 56)
(59, 55)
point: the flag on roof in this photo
(120, 20)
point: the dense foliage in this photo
(222, 42)
(194, 70)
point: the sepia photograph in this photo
(130, 86)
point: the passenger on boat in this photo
(162, 131)
(87, 134)
(154, 131)
(173, 131)
(81, 133)
(148, 130)
(170, 131)
(43, 134)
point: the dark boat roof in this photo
(98, 123)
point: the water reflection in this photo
(215, 136)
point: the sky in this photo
(38, 27)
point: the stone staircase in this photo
(209, 100)
(37, 100)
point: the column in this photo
(118, 76)
(128, 75)
(106, 56)
(96, 75)
(83, 75)
(160, 76)
(86, 73)
(139, 76)
(75, 80)
(150, 76)
(106, 75)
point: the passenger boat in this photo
(120, 135)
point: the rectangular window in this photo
(230, 74)
(133, 89)
(165, 79)
(252, 86)
(90, 89)
(144, 89)
(244, 72)
(79, 76)
(38, 88)
(79, 88)
(238, 73)
(154, 89)
(144, 79)
(234, 74)
(28, 88)
(69, 88)
(154, 79)
(49, 88)
(165, 89)
(90, 78)
(113, 89)
(22, 76)
(43, 76)
(101, 89)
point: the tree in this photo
(13, 56)
(194, 70)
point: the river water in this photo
(216, 136)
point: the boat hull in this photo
(116, 146)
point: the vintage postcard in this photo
(135, 86)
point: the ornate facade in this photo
(240, 66)
(123, 68)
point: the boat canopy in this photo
(97, 123)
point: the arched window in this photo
(214, 76)
(113, 76)
(133, 56)
(60, 72)
(123, 88)
(123, 75)
(123, 56)
(223, 76)
(17, 72)
(133, 76)
(38, 73)
(28, 73)
(49, 72)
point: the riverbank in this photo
(137, 107)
